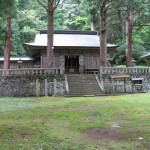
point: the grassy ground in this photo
(79, 123)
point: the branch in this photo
(56, 4)
(43, 4)
(52, 2)
(107, 7)
(146, 31)
(102, 3)
(141, 25)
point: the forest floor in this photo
(75, 123)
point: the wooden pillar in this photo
(81, 66)
(62, 65)
(41, 61)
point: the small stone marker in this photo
(115, 126)
(46, 87)
(55, 87)
(140, 138)
(37, 87)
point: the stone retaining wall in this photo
(120, 86)
(27, 86)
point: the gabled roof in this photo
(145, 56)
(67, 39)
(70, 39)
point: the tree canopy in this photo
(78, 15)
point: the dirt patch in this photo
(25, 133)
(103, 133)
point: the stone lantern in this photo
(19, 62)
(132, 62)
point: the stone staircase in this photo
(83, 85)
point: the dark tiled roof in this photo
(145, 56)
(71, 40)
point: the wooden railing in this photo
(105, 74)
(127, 70)
(29, 71)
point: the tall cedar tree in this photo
(6, 64)
(129, 25)
(132, 8)
(50, 7)
(92, 9)
(7, 11)
(103, 32)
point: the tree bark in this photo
(128, 42)
(103, 35)
(50, 32)
(50, 7)
(6, 64)
(93, 25)
(129, 25)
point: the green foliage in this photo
(7, 8)
(77, 23)
(116, 28)
(59, 18)
(77, 15)
(16, 47)
(2, 35)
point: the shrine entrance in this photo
(71, 64)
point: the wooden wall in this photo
(91, 59)
(88, 58)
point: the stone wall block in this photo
(26, 85)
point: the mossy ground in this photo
(59, 123)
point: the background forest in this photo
(28, 17)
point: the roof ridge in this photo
(84, 32)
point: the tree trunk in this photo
(93, 25)
(93, 14)
(50, 32)
(103, 35)
(129, 24)
(7, 45)
(128, 42)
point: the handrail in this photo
(67, 87)
(100, 85)
(29, 71)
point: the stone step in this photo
(86, 93)
(80, 85)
